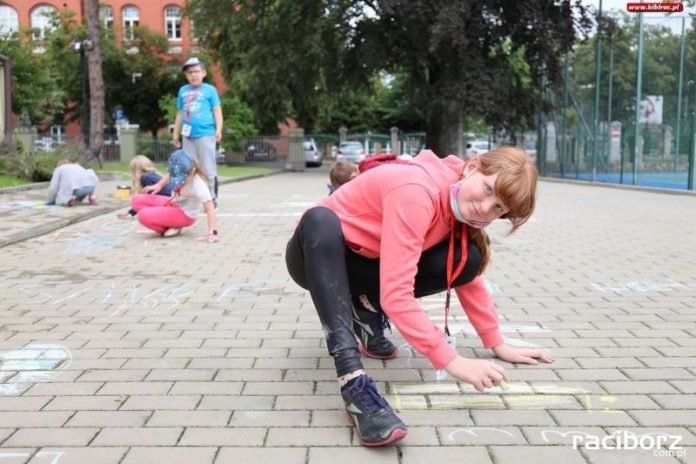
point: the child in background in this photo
(71, 183)
(143, 173)
(167, 216)
(340, 173)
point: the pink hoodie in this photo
(395, 213)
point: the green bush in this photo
(12, 162)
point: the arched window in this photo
(9, 20)
(172, 22)
(131, 20)
(41, 21)
(106, 15)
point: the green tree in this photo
(459, 56)
(141, 77)
(35, 92)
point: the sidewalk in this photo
(121, 347)
(24, 213)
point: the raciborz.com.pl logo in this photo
(659, 444)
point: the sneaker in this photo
(369, 329)
(171, 232)
(373, 418)
(71, 202)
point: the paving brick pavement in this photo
(120, 347)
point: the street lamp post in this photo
(82, 46)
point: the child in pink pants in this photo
(190, 196)
(156, 212)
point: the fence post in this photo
(692, 153)
(129, 142)
(295, 151)
(394, 136)
(25, 137)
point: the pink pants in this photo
(154, 213)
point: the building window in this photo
(9, 21)
(172, 22)
(106, 15)
(41, 21)
(131, 20)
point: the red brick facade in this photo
(150, 13)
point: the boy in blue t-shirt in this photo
(199, 120)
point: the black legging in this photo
(319, 260)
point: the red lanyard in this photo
(452, 276)
(191, 96)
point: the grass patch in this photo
(11, 181)
(223, 170)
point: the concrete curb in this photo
(92, 212)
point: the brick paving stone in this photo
(29, 403)
(591, 417)
(468, 454)
(638, 387)
(91, 455)
(260, 418)
(170, 455)
(637, 456)
(386, 455)
(84, 402)
(556, 435)
(250, 455)
(189, 419)
(135, 388)
(40, 437)
(308, 436)
(227, 402)
(481, 436)
(206, 388)
(160, 402)
(213, 436)
(21, 419)
(679, 401)
(109, 418)
(511, 417)
(16, 455)
(517, 454)
(138, 436)
(662, 417)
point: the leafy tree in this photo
(460, 57)
(35, 92)
(141, 76)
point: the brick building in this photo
(119, 16)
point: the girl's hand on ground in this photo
(521, 355)
(480, 373)
(122, 215)
(210, 238)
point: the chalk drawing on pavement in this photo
(26, 204)
(518, 395)
(638, 286)
(33, 363)
(475, 431)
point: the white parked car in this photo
(478, 147)
(352, 151)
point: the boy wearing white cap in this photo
(199, 120)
